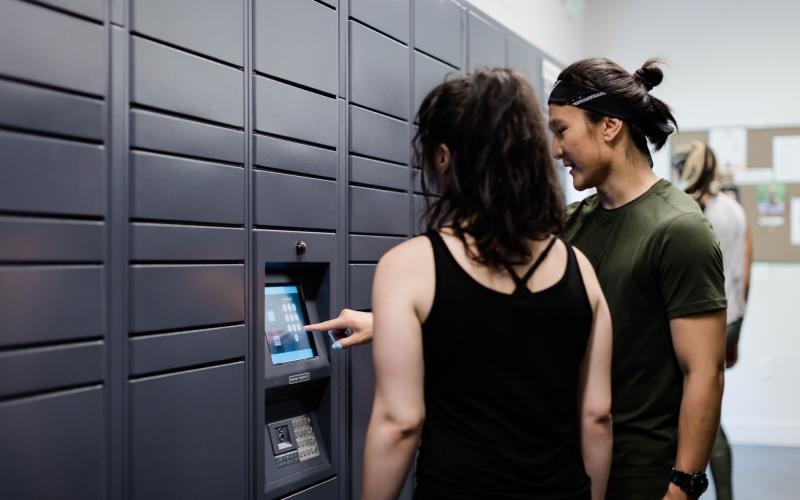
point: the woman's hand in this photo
(358, 322)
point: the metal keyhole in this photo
(300, 248)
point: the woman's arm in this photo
(595, 388)
(398, 410)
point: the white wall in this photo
(545, 23)
(729, 64)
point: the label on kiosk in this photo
(284, 318)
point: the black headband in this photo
(575, 94)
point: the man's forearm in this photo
(699, 419)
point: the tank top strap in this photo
(522, 281)
(437, 242)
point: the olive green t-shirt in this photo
(657, 258)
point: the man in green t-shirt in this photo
(657, 261)
(660, 267)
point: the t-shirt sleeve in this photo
(690, 267)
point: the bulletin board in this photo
(772, 207)
(772, 229)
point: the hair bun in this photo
(649, 74)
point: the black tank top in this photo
(501, 387)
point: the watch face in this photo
(697, 484)
(694, 483)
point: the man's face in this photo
(577, 144)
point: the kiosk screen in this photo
(284, 319)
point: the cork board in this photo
(771, 243)
(759, 144)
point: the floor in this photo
(764, 473)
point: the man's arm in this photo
(699, 343)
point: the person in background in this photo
(492, 344)
(660, 268)
(696, 166)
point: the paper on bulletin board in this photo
(730, 146)
(786, 158)
(771, 204)
(795, 220)
(752, 175)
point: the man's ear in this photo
(442, 158)
(610, 128)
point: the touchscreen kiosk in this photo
(297, 420)
(285, 316)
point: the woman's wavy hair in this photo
(500, 186)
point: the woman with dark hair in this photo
(660, 267)
(492, 337)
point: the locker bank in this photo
(184, 184)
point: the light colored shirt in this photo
(729, 222)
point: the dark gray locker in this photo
(166, 297)
(527, 59)
(323, 491)
(36, 369)
(34, 172)
(168, 351)
(34, 108)
(428, 73)
(371, 248)
(362, 393)
(281, 246)
(33, 239)
(376, 211)
(361, 286)
(388, 16)
(169, 79)
(188, 435)
(61, 51)
(51, 303)
(211, 27)
(378, 71)
(439, 30)
(486, 44)
(159, 132)
(378, 173)
(417, 175)
(379, 136)
(54, 446)
(88, 8)
(295, 157)
(169, 188)
(297, 40)
(164, 242)
(284, 200)
(419, 210)
(293, 112)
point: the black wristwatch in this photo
(693, 483)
